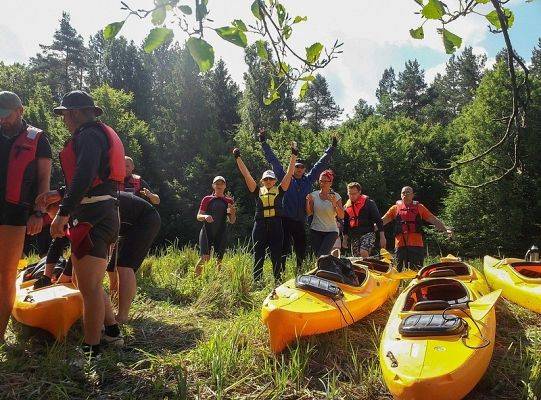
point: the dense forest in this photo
(179, 126)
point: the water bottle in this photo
(532, 254)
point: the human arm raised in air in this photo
(286, 181)
(323, 162)
(250, 181)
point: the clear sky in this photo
(374, 32)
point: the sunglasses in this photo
(268, 179)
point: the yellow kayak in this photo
(519, 280)
(439, 339)
(314, 303)
(53, 308)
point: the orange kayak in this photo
(53, 308)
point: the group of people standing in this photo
(285, 202)
(93, 208)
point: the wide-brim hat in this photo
(268, 174)
(77, 100)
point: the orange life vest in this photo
(408, 219)
(354, 210)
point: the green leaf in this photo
(299, 19)
(256, 9)
(238, 23)
(304, 88)
(420, 2)
(307, 78)
(280, 9)
(451, 42)
(417, 33)
(271, 98)
(313, 52)
(283, 68)
(262, 50)
(492, 17)
(433, 10)
(233, 35)
(158, 16)
(156, 38)
(287, 31)
(111, 30)
(186, 10)
(482, 1)
(202, 53)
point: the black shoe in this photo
(43, 281)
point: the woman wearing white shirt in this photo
(324, 205)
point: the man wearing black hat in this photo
(294, 210)
(93, 165)
(25, 171)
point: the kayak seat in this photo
(333, 276)
(418, 325)
(319, 285)
(376, 265)
(529, 269)
(430, 305)
(440, 273)
(442, 291)
(458, 267)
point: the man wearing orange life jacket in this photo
(25, 171)
(135, 184)
(360, 216)
(409, 216)
(93, 165)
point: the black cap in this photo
(299, 162)
(77, 100)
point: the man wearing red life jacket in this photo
(360, 216)
(93, 165)
(25, 171)
(135, 184)
(409, 216)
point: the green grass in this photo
(201, 338)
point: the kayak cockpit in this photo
(445, 269)
(436, 294)
(360, 274)
(373, 264)
(529, 269)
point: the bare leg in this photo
(127, 289)
(90, 271)
(199, 266)
(11, 248)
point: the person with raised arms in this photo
(267, 230)
(25, 171)
(215, 211)
(294, 211)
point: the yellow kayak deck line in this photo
(53, 308)
(422, 364)
(291, 312)
(519, 280)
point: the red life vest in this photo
(117, 167)
(354, 210)
(134, 181)
(408, 219)
(21, 173)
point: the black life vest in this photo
(408, 219)
(117, 166)
(135, 184)
(354, 210)
(21, 173)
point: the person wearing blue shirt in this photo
(294, 210)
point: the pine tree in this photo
(536, 60)
(363, 110)
(384, 93)
(226, 98)
(410, 91)
(64, 61)
(318, 105)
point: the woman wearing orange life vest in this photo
(93, 165)
(409, 216)
(360, 216)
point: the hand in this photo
(236, 152)
(449, 232)
(231, 209)
(209, 219)
(145, 192)
(294, 149)
(34, 225)
(334, 141)
(58, 226)
(43, 200)
(262, 137)
(332, 199)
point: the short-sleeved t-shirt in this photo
(217, 208)
(409, 239)
(324, 218)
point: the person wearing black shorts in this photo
(25, 171)
(139, 225)
(215, 211)
(93, 165)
